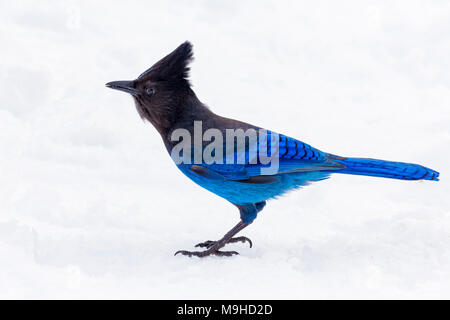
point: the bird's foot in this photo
(212, 248)
(209, 243)
(202, 254)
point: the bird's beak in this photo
(126, 86)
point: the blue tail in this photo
(386, 169)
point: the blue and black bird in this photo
(164, 97)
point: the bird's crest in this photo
(174, 66)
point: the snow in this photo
(91, 205)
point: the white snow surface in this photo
(91, 205)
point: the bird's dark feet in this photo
(206, 253)
(209, 243)
(212, 248)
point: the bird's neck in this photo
(184, 115)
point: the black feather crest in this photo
(174, 66)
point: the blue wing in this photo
(293, 156)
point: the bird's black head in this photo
(161, 92)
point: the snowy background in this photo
(91, 206)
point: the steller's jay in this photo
(164, 97)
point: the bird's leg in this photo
(248, 213)
(214, 246)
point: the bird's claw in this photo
(202, 254)
(212, 248)
(209, 243)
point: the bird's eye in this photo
(149, 91)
